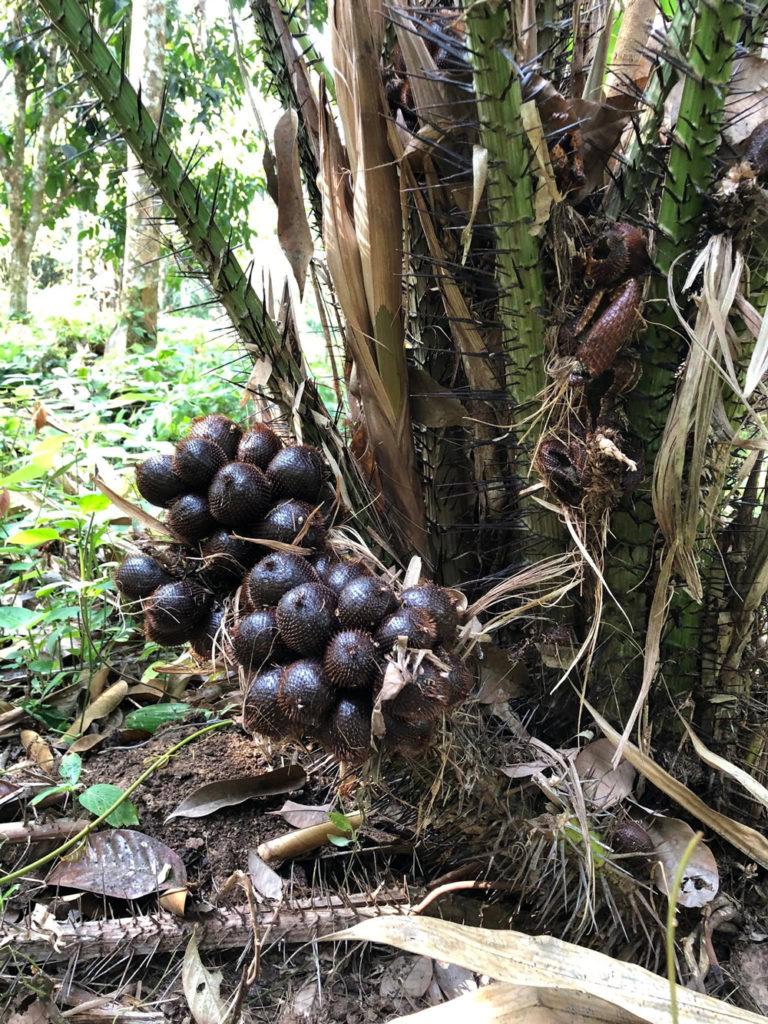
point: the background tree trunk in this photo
(25, 185)
(141, 256)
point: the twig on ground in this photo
(10, 718)
(21, 832)
(87, 1008)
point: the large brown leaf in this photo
(700, 881)
(104, 705)
(302, 815)
(229, 792)
(121, 863)
(604, 786)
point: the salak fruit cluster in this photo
(258, 583)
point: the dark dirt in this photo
(359, 985)
(214, 846)
(468, 824)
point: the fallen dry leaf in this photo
(39, 417)
(304, 1005)
(604, 786)
(121, 863)
(525, 769)
(744, 838)
(453, 980)
(302, 815)
(228, 792)
(547, 963)
(500, 678)
(35, 1013)
(38, 750)
(394, 681)
(504, 1003)
(749, 967)
(418, 979)
(88, 742)
(202, 988)
(104, 705)
(98, 681)
(9, 792)
(174, 900)
(720, 764)
(700, 881)
(263, 878)
(293, 230)
(5, 501)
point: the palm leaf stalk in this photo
(492, 39)
(510, 197)
(459, 405)
(552, 33)
(714, 33)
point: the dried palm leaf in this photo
(548, 963)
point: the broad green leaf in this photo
(70, 768)
(99, 797)
(41, 462)
(153, 716)
(339, 840)
(24, 474)
(13, 618)
(48, 791)
(93, 502)
(31, 538)
(48, 444)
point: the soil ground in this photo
(449, 808)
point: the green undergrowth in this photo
(67, 413)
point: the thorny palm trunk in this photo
(683, 172)
(139, 291)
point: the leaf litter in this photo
(202, 988)
(302, 815)
(214, 795)
(121, 863)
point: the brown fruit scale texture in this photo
(318, 677)
(597, 352)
